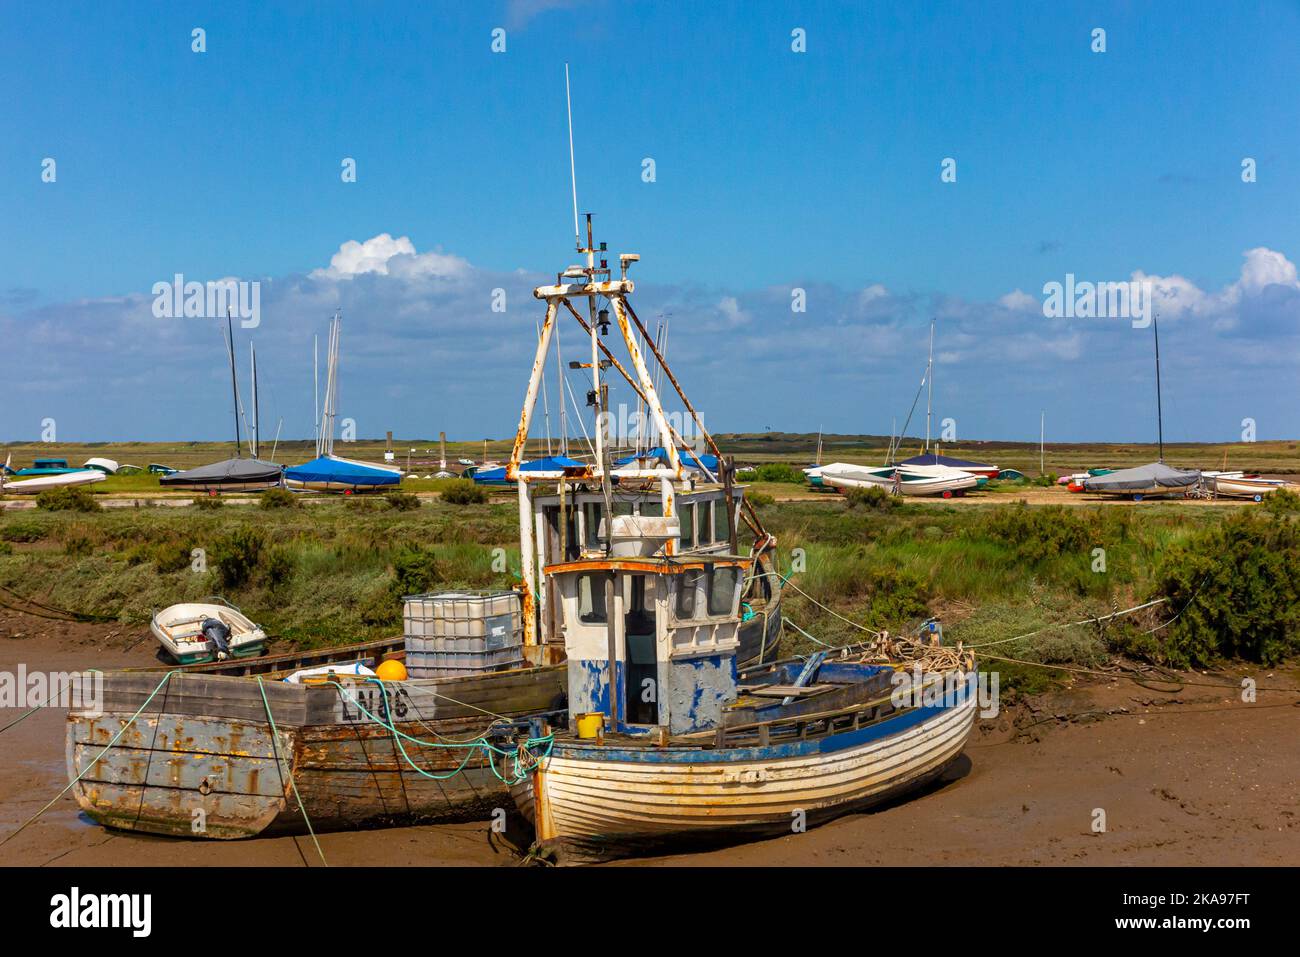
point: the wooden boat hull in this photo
(201, 759)
(599, 801)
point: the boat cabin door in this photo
(640, 690)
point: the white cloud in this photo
(1020, 301)
(385, 255)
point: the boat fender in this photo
(218, 633)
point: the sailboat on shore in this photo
(1155, 478)
(926, 474)
(236, 474)
(329, 472)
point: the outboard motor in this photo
(218, 633)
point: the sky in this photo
(744, 171)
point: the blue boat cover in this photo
(342, 472)
(708, 462)
(549, 463)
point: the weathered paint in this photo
(699, 689)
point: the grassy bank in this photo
(335, 572)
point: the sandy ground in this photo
(1187, 777)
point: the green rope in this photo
(519, 771)
(275, 750)
(166, 678)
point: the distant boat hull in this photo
(33, 486)
(1242, 487)
(909, 480)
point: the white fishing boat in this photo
(1252, 487)
(671, 738)
(192, 632)
(33, 486)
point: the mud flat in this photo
(1185, 777)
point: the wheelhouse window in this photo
(591, 599)
(688, 525)
(591, 516)
(723, 582)
(652, 509)
(705, 523)
(721, 526)
(684, 608)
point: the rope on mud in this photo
(51, 612)
(275, 750)
(130, 721)
(1120, 674)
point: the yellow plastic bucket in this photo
(590, 724)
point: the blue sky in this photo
(774, 170)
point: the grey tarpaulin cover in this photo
(1155, 475)
(229, 472)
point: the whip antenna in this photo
(573, 176)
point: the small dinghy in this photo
(34, 486)
(192, 632)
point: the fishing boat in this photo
(671, 736)
(34, 486)
(194, 632)
(1252, 487)
(228, 750)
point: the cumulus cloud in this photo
(385, 255)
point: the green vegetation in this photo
(278, 498)
(873, 496)
(67, 499)
(463, 492)
(336, 571)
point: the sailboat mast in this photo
(234, 387)
(315, 387)
(929, 381)
(1160, 417)
(1043, 433)
(257, 418)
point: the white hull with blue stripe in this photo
(600, 801)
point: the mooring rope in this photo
(521, 766)
(275, 751)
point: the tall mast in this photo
(573, 173)
(1042, 437)
(257, 427)
(234, 387)
(1160, 418)
(929, 381)
(315, 387)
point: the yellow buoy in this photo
(590, 724)
(391, 670)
